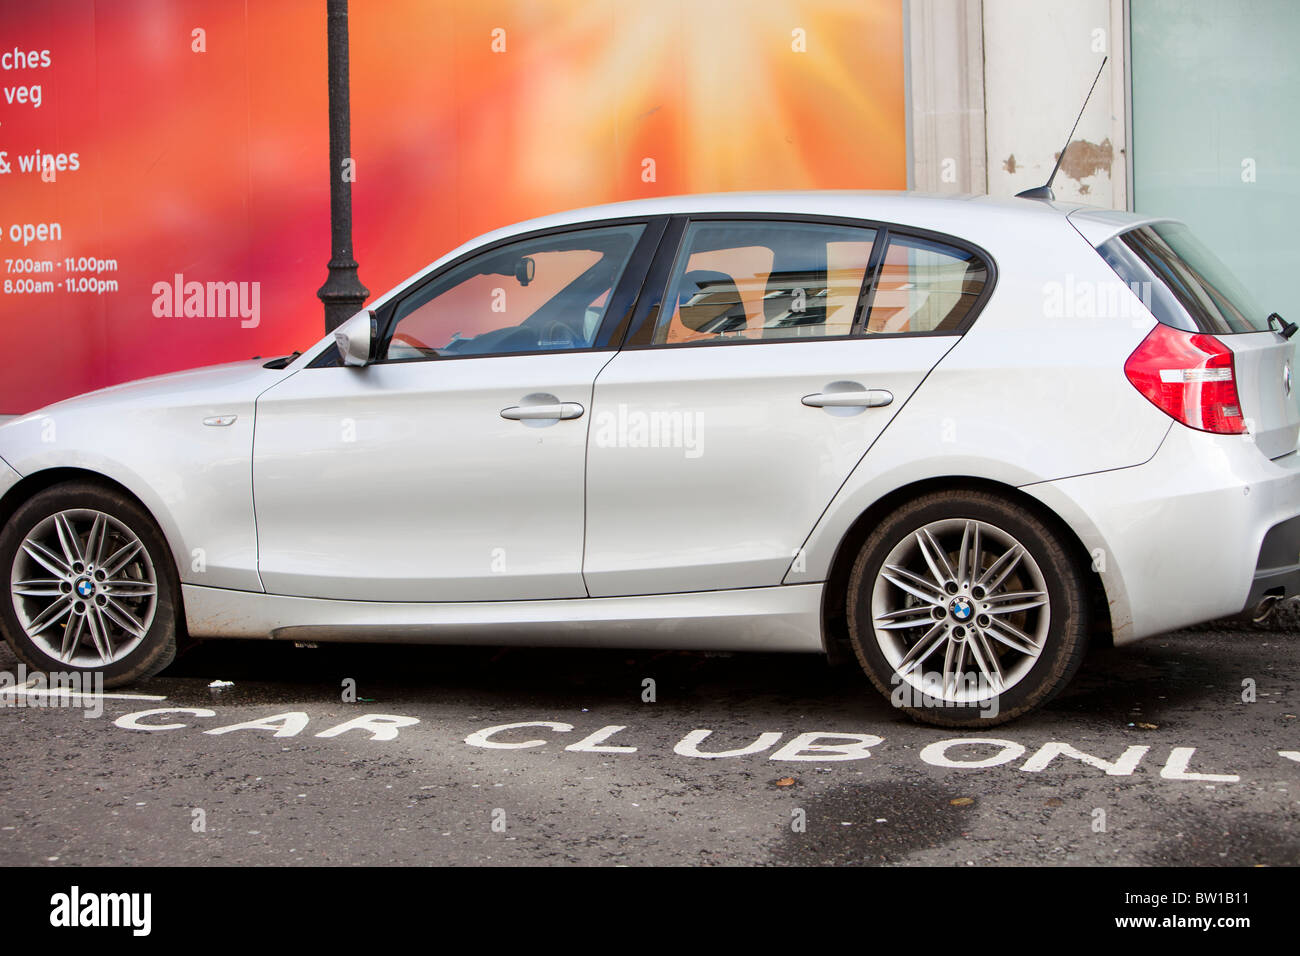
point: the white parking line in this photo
(27, 690)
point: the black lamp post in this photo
(342, 293)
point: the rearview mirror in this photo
(355, 339)
(525, 269)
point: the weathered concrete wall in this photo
(1040, 57)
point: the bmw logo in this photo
(961, 609)
(85, 587)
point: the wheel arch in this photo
(835, 634)
(33, 484)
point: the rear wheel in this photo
(92, 586)
(966, 610)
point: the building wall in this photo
(946, 123)
(1216, 100)
(190, 137)
(996, 85)
(208, 159)
(1040, 59)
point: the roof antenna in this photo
(1045, 191)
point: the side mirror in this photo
(355, 338)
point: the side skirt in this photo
(786, 618)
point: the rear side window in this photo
(772, 280)
(765, 280)
(1182, 282)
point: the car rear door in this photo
(766, 357)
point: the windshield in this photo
(1190, 287)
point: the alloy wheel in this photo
(84, 588)
(960, 610)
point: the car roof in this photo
(943, 212)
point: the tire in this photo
(1016, 639)
(126, 618)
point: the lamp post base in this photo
(342, 294)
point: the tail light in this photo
(1189, 376)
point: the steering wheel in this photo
(557, 335)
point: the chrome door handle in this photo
(560, 410)
(866, 398)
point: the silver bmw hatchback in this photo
(955, 438)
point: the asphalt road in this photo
(97, 790)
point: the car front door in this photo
(778, 352)
(451, 468)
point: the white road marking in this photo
(26, 690)
(816, 746)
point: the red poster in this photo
(146, 144)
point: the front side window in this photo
(765, 280)
(537, 295)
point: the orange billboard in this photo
(164, 170)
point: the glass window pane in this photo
(1222, 295)
(537, 295)
(1181, 281)
(765, 280)
(924, 286)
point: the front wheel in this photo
(966, 610)
(92, 585)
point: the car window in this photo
(924, 286)
(765, 280)
(1183, 283)
(542, 294)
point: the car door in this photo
(747, 393)
(451, 468)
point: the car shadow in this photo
(1149, 683)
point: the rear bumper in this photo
(1277, 571)
(1203, 530)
